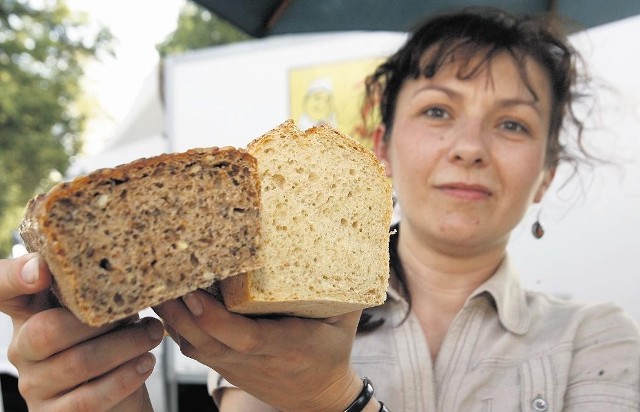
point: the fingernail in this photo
(31, 270)
(146, 363)
(155, 330)
(193, 303)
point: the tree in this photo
(198, 28)
(43, 47)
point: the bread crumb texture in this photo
(123, 239)
(326, 210)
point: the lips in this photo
(465, 191)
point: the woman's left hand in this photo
(288, 362)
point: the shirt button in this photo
(539, 404)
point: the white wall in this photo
(590, 250)
(229, 95)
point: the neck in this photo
(442, 279)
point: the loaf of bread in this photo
(326, 208)
(301, 220)
(123, 239)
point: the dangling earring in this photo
(537, 230)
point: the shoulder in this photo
(586, 319)
(597, 337)
(595, 349)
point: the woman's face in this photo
(467, 156)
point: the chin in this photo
(464, 235)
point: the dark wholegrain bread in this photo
(123, 239)
(326, 207)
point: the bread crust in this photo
(45, 229)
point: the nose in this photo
(468, 145)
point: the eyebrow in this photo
(445, 90)
(533, 103)
(508, 102)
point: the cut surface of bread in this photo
(326, 208)
(123, 239)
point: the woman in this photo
(471, 107)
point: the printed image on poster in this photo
(332, 94)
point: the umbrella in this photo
(261, 18)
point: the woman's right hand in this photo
(65, 365)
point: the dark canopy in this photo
(261, 18)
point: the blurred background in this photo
(86, 84)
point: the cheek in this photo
(412, 166)
(406, 161)
(524, 175)
(413, 146)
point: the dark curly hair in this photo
(486, 32)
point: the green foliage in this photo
(198, 28)
(42, 50)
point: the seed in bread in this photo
(123, 239)
(326, 208)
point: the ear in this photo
(547, 178)
(381, 147)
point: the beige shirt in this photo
(507, 350)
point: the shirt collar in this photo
(506, 291)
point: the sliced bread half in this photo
(326, 208)
(120, 240)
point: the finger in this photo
(25, 275)
(19, 278)
(348, 322)
(49, 332)
(111, 389)
(263, 336)
(172, 333)
(240, 333)
(137, 401)
(244, 335)
(175, 316)
(179, 322)
(93, 358)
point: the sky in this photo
(113, 83)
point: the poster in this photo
(332, 93)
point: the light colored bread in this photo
(123, 239)
(326, 209)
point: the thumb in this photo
(20, 280)
(348, 321)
